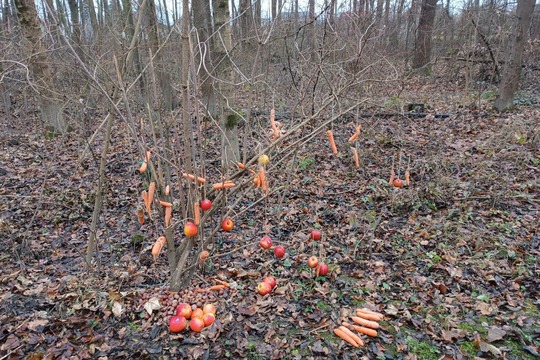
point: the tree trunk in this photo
(202, 21)
(132, 44)
(422, 46)
(93, 17)
(224, 72)
(311, 26)
(512, 69)
(163, 77)
(76, 28)
(51, 111)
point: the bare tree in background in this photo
(51, 111)
(512, 70)
(422, 46)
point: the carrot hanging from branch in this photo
(197, 213)
(160, 242)
(355, 156)
(143, 167)
(273, 125)
(140, 215)
(223, 185)
(407, 178)
(332, 142)
(151, 191)
(263, 180)
(193, 177)
(168, 215)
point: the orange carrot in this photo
(392, 176)
(367, 316)
(364, 310)
(339, 332)
(167, 190)
(140, 215)
(273, 125)
(358, 128)
(407, 177)
(222, 282)
(252, 171)
(211, 288)
(168, 215)
(165, 203)
(354, 137)
(355, 156)
(160, 242)
(148, 155)
(367, 323)
(197, 213)
(257, 181)
(332, 142)
(193, 177)
(240, 165)
(365, 331)
(263, 180)
(151, 191)
(355, 337)
(143, 167)
(223, 185)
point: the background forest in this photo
(362, 157)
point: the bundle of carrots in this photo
(365, 322)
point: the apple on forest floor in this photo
(313, 262)
(279, 251)
(264, 288)
(177, 323)
(196, 324)
(266, 242)
(227, 224)
(315, 235)
(184, 310)
(322, 269)
(270, 280)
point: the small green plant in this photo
(306, 163)
(424, 350)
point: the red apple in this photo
(184, 310)
(315, 235)
(264, 288)
(266, 242)
(196, 324)
(177, 323)
(227, 224)
(209, 309)
(313, 262)
(208, 319)
(322, 269)
(398, 183)
(190, 229)
(197, 313)
(279, 251)
(270, 280)
(206, 204)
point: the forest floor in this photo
(452, 260)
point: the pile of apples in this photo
(268, 283)
(199, 318)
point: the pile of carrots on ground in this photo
(365, 322)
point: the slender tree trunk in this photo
(311, 27)
(132, 43)
(76, 26)
(51, 111)
(163, 76)
(93, 18)
(224, 72)
(273, 5)
(202, 21)
(512, 69)
(422, 51)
